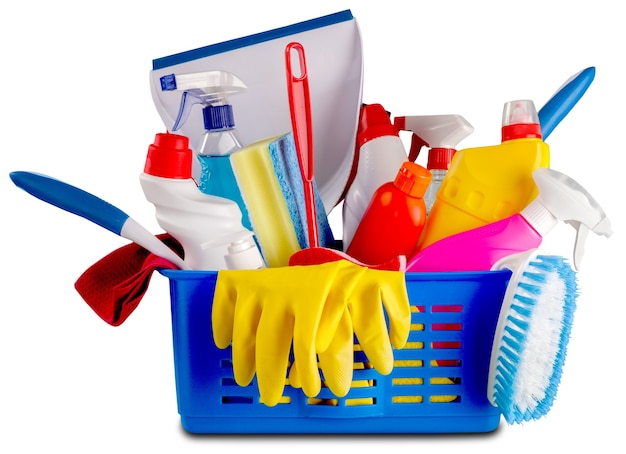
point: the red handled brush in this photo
(300, 109)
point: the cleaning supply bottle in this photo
(487, 184)
(221, 138)
(379, 154)
(204, 225)
(394, 219)
(442, 134)
(560, 198)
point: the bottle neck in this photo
(539, 217)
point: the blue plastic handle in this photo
(566, 97)
(72, 199)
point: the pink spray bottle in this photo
(560, 198)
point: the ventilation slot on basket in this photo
(232, 393)
(415, 378)
(446, 354)
(362, 389)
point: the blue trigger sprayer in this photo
(210, 89)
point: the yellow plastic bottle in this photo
(487, 184)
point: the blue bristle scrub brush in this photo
(531, 338)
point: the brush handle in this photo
(71, 199)
(301, 123)
(565, 98)
(94, 209)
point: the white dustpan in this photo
(335, 71)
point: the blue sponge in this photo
(287, 169)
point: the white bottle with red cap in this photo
(203, 224)
(380, 154)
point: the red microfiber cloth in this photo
(114, 286)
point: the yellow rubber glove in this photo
(368, 318)
(364, 316)
(261, 312)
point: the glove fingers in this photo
(337, 361)
(223, 309)
(294, 376)
(305, 355)
(371, 330)
(348, 275)
(246, 321)
(396, 302)
(274, 337)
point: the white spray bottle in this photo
(210, 89)
(208, 227)
(380, 154)
(442, 134)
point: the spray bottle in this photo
(442, 134)
(394, 219)
(379, 153)
(220, 139)
(560, 198)
(487, 184)
(204, 225)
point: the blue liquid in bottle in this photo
(217, 178)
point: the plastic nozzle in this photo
(520, 120)
(561, 198)
(208, 88)
(374, 122)
(441, 133)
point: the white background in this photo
(75, 104)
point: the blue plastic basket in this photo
(438, 384)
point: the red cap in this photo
(521, 131)
(169, 157)
(440, 158)
(374, 122)
(412, 179)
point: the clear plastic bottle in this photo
(221, 138)
(393, 221)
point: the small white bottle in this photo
(243, 254)
(204, 225)
(442, 133)
(380, 154)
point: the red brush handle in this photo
(300, 109)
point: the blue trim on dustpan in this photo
(226, 46)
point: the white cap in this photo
(243, 254)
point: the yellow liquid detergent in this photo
(487, 184)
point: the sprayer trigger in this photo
(579, 244)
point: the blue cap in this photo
(218, 117)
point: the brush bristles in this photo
(534, 340)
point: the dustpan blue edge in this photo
(226, 46)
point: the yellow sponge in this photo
(270, 182)
(264, 196)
